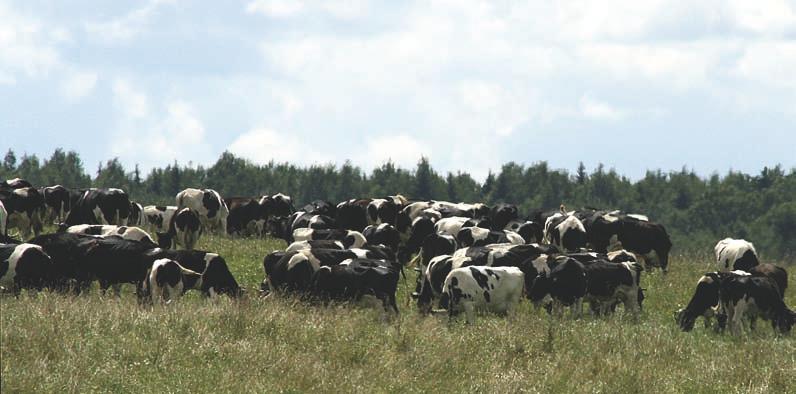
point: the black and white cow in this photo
(185, 229)
(705, 300)
(479, 288)
(63, 249)
(216, 276)
(57, 203)
(124, 232)
(608, 284)
(353, 279)
(159, 216)
(100, 206)
(212, 210)
(167, 280)
(349, 238)
(421, 228)
(292, 272)
(312, 244)
(16, 183)
(565, 283)
(530, 231)
(744, 298)
(477, 236)
(24, 207)
(301, 219)
(24, 266)
(383, 234)
(450, 225)
(385, 210)
(449, 209)
(735, 254)
(648, 240)
(277, 205)
(565, 231)
(136, 214)
(503, 214)
(353, 214)
(244, 213)
(112, 261)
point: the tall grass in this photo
(93, 343)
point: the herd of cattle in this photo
(469, 257)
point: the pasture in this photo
(90, 343)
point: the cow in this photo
(449, 209)
(13, 184)
(648, 240)
(476, 236)
(136, 214)
(349, 238)
(565, 232)
(112, 261)
(23, 206)
(421, 228)
(185, 229)
(63, 249)
(245, 212)
(503, 214)
(450, 225)
(212, 210)
(301, 219)
(565, 283)
(124, 232)
(159, 216)
(167, 280)
(99, 206)
(313, 244)
(383, 234)
(57, 203)
(705, 300)
(353, 214)
(748, 297)
(530, 231)
(384, 210)
(292, 272)
(492, 289)
(24, 266)
(277, 205)
(610, 283)
(735, 254)
(354, 278)
(216, 277)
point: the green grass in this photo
(90, 343)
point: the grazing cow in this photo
(350, 239)
(184, 230)
(292, 272)
(476, 236)
(503, 214)
(24, 266)
(99, 206)
(23, 208)
(450, 225)
(112, 261)
(277, 205)
(167, 280)
(279, 227)
(57, 203)
(748, 297)
(159, 216)
(384, 210)
(63, 249)
(492, 289)
(531, 232)
(245, 212)
(436, 245)
(312, 244)
(216, 277)
(566, 232)
(354, 278)
(421, 228)
(136, 214)
(13, 184)
(705, 301)
(383, 234)
(302, 219)
(449, 209)
(353, 214)
(212, 210)
(646, 239)
(610, 283)
(735, 254)
(128, 233)
(565, 283)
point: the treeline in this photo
(697, 211)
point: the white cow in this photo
(482, 288)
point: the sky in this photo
(635, 85)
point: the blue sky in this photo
(471, 84)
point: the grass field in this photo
(56, 343)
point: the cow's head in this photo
(216, 279)
(165, 239)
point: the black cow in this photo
(421, 228)
(292, 272)
(244, 212)
(502, 214)
(100, 206)
(185, 229)
(24, 266)
(216, 277)
(355, 279)
(63, 248)
(647, 239)
(112, 261)
(23, 206)
(353, 214)
(57, 202)
(277, 205)
(610, 283)
(565, 283)
(748, 297)
(383, 234)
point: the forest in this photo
(696, 210)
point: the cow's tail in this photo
(412, 262)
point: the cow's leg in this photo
(469, 312)
(576, 309)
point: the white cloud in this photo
(341, 9)
(127, 26)
(26, 46)
(275, 8)
(594, 109)
(78, 85)
(262, 145)
(773, 63)
(402, 149)
(132, 103)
